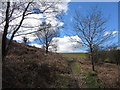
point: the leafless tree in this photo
(54, 45)
(10, 12)
(46, 35)
(7, 20)
(25, 40)
(91, 29)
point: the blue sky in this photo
(109, 9)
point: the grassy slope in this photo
(30, 67)
(27, 67)
(91, 81)
(106, 73)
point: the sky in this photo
(109, 9)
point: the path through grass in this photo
(84, 79)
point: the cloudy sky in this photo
(109, 9)
(65, 44)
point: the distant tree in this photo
(112, 54)
(46, 35)
(54, 45)
(99, 54)
(114, 57)
(25, 40)
(91, 29)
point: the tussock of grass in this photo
(76, 67)
(62, 81)
(92, 81)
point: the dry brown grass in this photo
(107, 72)
(30, 67)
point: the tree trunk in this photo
(4, 36)
(91, 58)
(46, 49)
(93, 64)
(118, 64)
(3, 46)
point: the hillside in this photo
(30, 67)
(106, 75)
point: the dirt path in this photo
(76, 76)
(73, 82)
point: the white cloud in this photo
(114, 32)
(106, 33)
(63, 6)
(33, 20)
(60, 24)
(66, 44)
(36, 45)
(118, 48)
(110, 32)
(20, 38)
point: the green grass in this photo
(92, 81)
(76, 67)
(82, 55)
(63, 81)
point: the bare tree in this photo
(54, 45)
(14, 14)
(25, 40)
(91, 29)
(46, 35)
(8, 16)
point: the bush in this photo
(92, 80)
(28, 74)
(106, 56)
(92, 73)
